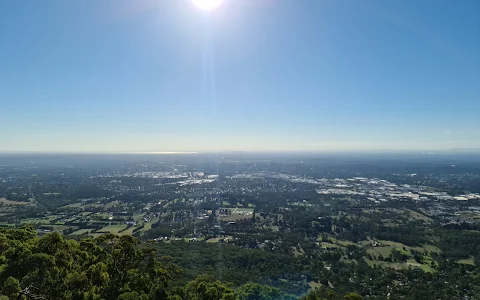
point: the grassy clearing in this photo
(45, 220)
(73, 205)
(94, 205)
(242, 210)
(138, 217)
(469, 261)
(101, 216)
(386, 247)
(81, 231)
(61, 227)
(327, 245)
(314, 285)
(429, 248)
(148, 225)
(129, 231)
(5, 201)
(400, 246)
(216, 240)
(114, 228)
(96, 234)
(418, 216)
(385, 264)
(297, 252)
(383, 251)
(344, 243)
(400, 266)
(412, 262)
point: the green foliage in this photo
(206, 287)
(353, 296)
(132, 296)
(11, 288)
(107, 267)
(236, 264)
(254, 291)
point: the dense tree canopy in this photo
(106, 267)
(102, 268)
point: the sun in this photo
(207, 4)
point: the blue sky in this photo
(162, 75)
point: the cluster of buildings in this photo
(379, 190)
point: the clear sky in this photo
(162, 75)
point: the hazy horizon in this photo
(258, 76)
(319, 152)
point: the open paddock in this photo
(5, 201)
(81, 231)
(114, 228)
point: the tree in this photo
(132, 296)
(205, 287)
(11, 288)
(353, 296)
(55, 268)
(254, 291)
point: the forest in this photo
(108, 267)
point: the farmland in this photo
(6, 202)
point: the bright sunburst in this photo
(207, 4)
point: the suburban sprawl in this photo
(304, 225)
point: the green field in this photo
(148, 225)
(45, 220)
(5, 201)
(81, 231)
(383, 251)
(73, 205)
(400, 246)
(327, 245)
(469, 261)
(418, 216)
(216, 240)
(128, 231)
(62, 227)
(114, 228)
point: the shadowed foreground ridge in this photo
(108, 267)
